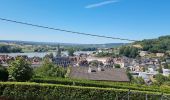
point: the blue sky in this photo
(132, 19)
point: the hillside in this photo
(160, 44)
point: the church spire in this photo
(58, 51)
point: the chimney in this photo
(89, 70)
(99, 68)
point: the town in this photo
(84, 50)
(91, 66)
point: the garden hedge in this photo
(88, 83)
(36, 91)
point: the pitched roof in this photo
(109, 74)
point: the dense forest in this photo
(161, 44)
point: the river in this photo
(42, 54)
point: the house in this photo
(103, 59)
(160, 54)
(166, 72)
(168, 60)
(123, 61)
(143, 53)
(99, 74)
(62, 61)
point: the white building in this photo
(143, 53)
(166, 72)
(160, 54)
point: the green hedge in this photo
(118, 85)
(35, 91)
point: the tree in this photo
(128, 51)
(129, 75)
(20, 70)
(160, 69)
(48, 69)
(8, 49)
(3, 74)
(71, 52)
(166, 66)
(139, 80)
(160, 78)
(117, 66)
(94, 63)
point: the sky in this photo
(130, 19)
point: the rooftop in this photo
(109, 74)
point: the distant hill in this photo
(107, 45)
(160, 44)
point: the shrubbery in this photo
(20, 70)
(48, 69)
(88, 83)
(28, 91)
(3, 74)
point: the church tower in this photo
(58, 52)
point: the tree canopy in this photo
(159, 45)
(9, 49)
(3, 73)
(20, 70)
(48, 69)
(129, 51)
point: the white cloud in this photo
(101, 3)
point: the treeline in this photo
(129, 51)
(106, 54)
(40, 49)
(10, 49)
(159, 45)
(81, 48)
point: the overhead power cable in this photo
(63, 30)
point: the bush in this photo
(88, 83)
(48, 69)
(3, 74)
(28, 91)
(20, 70)
(117, 65)
(160, 79)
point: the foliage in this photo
(139, 80)
(94, 63)
(129, 51)
(89, 83)
(159, 45)
(88, 49)
(166, 66)
(160, 78)
(48, 69)
(34, 91)
(105, 54)
(117, 65)
(3, 74)
(9, 49)
(71, 52)
(160, 69)
(129, 75)
(20, 70)
(49, 56)
(41, 49)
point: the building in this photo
(60, 60)
(160, 54)
(166, 72)
(99, 74)
(143, 53)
